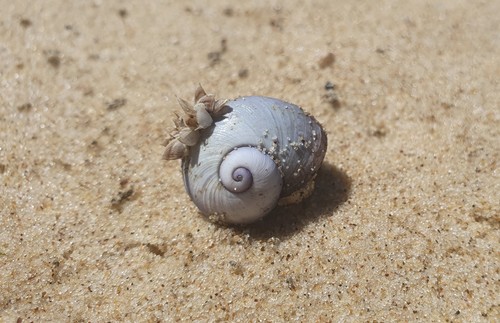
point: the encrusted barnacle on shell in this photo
(196, 117)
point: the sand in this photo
(404, 222)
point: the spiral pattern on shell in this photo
(262, 149)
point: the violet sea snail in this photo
(241, 157)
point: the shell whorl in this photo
(224, 195)
(237, 169)
(238, 179)
(245, 169)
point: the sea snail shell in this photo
(240, 157)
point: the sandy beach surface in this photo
(403, 224)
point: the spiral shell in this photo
(257, 151)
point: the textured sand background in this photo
(404, 223)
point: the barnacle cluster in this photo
(195, 117)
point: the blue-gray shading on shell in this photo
(294, 140)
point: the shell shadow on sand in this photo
(333, 187)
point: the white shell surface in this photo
(292, 139)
